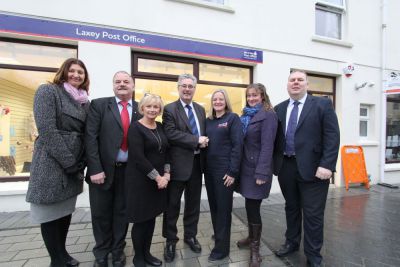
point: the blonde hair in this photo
(263, 91)
(148, 99)
(228, 106)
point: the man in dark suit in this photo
(184, 125)
(106, 148)
(305, 156)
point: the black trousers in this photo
(142, 234)
(220, 200)
(108, 216)
(192, 189)
(303, 199)
(253, 211)
(54, 235)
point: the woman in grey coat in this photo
(259, 127)
(56, 178)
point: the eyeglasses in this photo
(186, 86)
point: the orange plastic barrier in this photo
(353, 165)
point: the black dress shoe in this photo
(169, 252)
(153, 261)
(138, 263)
(213, 258)
(100, 263)
(313, 264)
(193, 244)
(71, 262)
(120, 261)
(286, 249)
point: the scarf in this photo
(79, 95)
(248, 114)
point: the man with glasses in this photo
(184, 125)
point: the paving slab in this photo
(361, 228)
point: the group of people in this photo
(138, 168)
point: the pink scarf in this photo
(79, 95)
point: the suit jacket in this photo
(316, 138)
(103, 137)
(182, 142)
(61, 125)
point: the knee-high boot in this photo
(245, 242)
(255, 258)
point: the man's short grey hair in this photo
(123, 72)
(187, 76)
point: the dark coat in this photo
(61, 122)
(182, 142)
(104, 137)
(317, 137)
(258, 149)
(144, 200)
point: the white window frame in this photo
(333, 8)
(208, 4)
(367, 119)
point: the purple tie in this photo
(291, 129)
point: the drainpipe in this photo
(383, 95)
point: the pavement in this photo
(21, 243)
(361, 229)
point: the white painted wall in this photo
(284, 30)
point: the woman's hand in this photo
(167, 176)
(228, 180)
(260, 182)
(162, 182)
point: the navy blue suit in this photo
(316, 145)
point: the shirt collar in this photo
(184, 104)
(302, 100)
(119, 100)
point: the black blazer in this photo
(317, 137)
(103, 137)
(182, 142)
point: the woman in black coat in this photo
(224, 130)
(56, 178)
(147, 177)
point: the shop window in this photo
(223, 73)
(163, 67)
(364, 120)
(392, 129)
(211, 76)
(324, 86)
(329, 18)
(23, 67)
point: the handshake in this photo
(203, 141)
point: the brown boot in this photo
(255, 258)
(245, 242)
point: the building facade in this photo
(349, 48)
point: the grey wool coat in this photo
(61, 123)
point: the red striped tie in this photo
(125, 125)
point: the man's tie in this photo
(125, 124)
(291, 129)
(192, 121)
